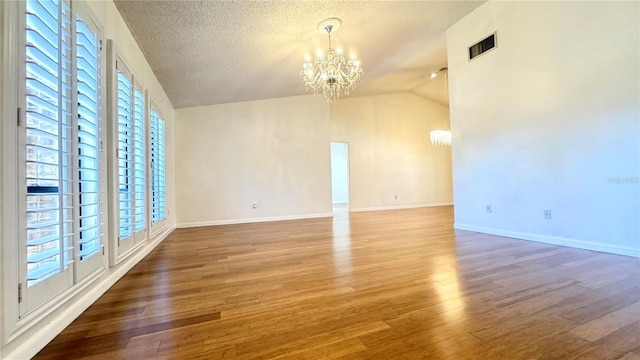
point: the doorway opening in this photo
(340, 176)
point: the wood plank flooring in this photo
(379, 285)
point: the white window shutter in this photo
(49, 228)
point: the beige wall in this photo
(548, 120)
(390, 152)
(277, 152)
(274, 152)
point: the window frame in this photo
(122, 249)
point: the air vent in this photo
(482, 47)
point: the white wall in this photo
(275, 152)
(549, 120)
(390, 151)
(339, 173)
(35, 333)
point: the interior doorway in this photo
(340, 176)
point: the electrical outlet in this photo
(255, 205)
(488, 208)
(547, 214)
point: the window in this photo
(157, 167)
(61, 216)
(48, 145)
(127, 104)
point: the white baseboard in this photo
(42, 335)
(554, 240)
(399, 207)
(253, 220)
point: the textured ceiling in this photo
(211, 52)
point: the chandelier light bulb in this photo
(330, 72)
(440, 137)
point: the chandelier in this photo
(330, 72)
(441, 137)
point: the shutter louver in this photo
(88, 142)
(49, 181)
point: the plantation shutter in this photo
(127, 105)
(125, 151)
(161, 170)
(139, 160)
(49, 181)
(154, 166)
(59, 155)
(157, 167)
(88, 142)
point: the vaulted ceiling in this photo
(211, 52)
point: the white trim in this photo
(159, 228)
(46, 332)
(400, 207)
(121, 257)
(9, 74)
(253, 220)
(31, 319)
(554, 240)
(4, 47)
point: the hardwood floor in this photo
(380, 285)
